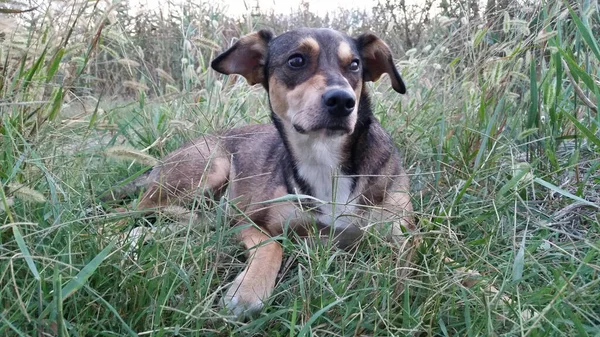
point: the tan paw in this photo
(245, 298)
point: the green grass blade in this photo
(94, 115)
(12, 326)
(533, 114)
(587, 132)
(316, 315)
(443, 327)
(440, 149)
(467, 312)
(58, 99)
(293, 319)
(58, 302)
(557, 62)
(79, 280)
(25, 252)
(406, 309)
(488, 133)
(576, 323)
(577, 72)
(54, 64)
(564, 193)
(586, 33)
(519, 262)
(521, 171)
(113, 310)
(34, 69)
(290, 197)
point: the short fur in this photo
(332, 149)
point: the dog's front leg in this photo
(255, 283)
(398, 209)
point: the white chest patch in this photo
(318, 164)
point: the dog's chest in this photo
(318, 164)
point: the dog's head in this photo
(314, 77)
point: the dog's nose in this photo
(339, 103)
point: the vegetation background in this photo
(499, 131)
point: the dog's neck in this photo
(324, 166)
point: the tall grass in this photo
(499, 132)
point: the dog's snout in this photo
(339, 103)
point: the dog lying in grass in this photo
(323, 145)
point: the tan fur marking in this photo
(358, 89)
(310, 45)
(399, 203)
(344, 53)
(256, 282)
(219, 172)
(281, 213)
(397, 206)
(300, 104)
(277, 96)
(305, 99)
(309, 92)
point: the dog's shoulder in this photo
(245, 138)
(252, 131)
(254, 148)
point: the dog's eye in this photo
(354, 66)
(296, 61)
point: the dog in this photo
(324, 145)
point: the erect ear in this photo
(246, 57)
(377, 59)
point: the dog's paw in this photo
(243, 299)
(241, 306)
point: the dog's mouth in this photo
(326, 130)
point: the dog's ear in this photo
(377, 59)
(246, 57)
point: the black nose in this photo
(339, 103)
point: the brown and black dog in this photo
(324, 144)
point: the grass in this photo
(500, 136)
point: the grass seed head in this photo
(25, 193)
(121, 152)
